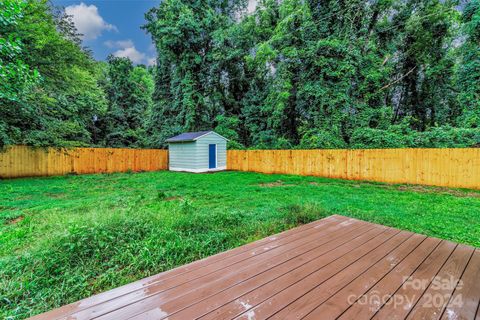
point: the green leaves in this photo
(468, 74)
(314, 73)
(15, 75)
(319, 69)
(10, 12)
(129, 92)
(49, 91)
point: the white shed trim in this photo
(197, 170)
(203, 135)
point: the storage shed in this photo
(197, 152)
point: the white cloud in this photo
(88, 21)
(126, 49)
(132, 53)
(151, 61)
(120, 44)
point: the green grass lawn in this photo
(66, 238)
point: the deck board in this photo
(371, 301)
(316, 290)
(258, 261)
(338, 302)
(332, 268)
(469, 294)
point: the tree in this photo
(57, 111)
(17, 78)
(189, 78)
(422, 35)
(129, 90)
(291, 74)
(469, 69)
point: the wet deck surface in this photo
(334, 268)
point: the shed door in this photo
(212, 156)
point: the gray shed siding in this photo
(182, 155)
(194, 156)
(202, 150)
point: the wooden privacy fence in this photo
(459, 168)
(21, 161)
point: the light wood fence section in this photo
(459, 168)
(21, 161)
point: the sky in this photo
(113, 27)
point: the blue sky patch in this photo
(113, 27)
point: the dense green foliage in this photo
(469, 69)
(58, 109)
(291, 74)
(319, 73)
(76, 100)
(65, 238)
(129, 90)
(15, 75)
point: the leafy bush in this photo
(448, 137)
(321, 139)
(268, 140)
(401, 137)
(364, 138)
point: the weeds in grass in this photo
(296, 214)
(161, 195)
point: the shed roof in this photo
(191, 136)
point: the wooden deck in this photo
(334, 268)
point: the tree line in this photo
(290, 74)
(56, 94)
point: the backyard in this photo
(66, 238)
